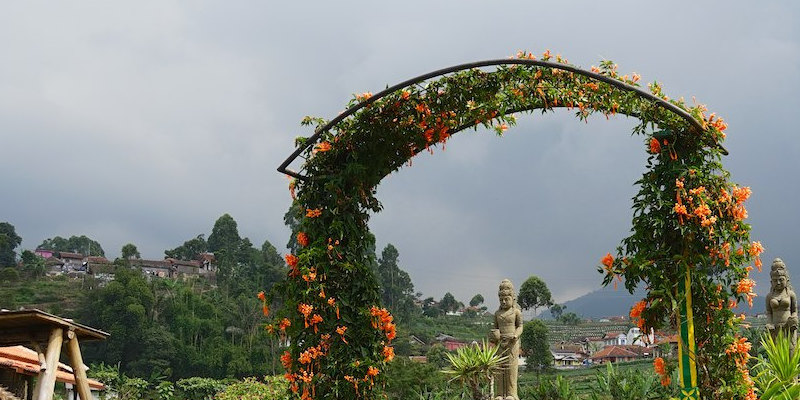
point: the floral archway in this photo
(690, 245)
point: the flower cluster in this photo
(660, 367)
(636, 314)
(739, 352)
(383, 321)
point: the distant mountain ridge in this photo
(605, 302)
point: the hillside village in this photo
(611, 339)
(68, 263)
(572, 346)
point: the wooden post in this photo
(47, 377)
(76, 361)
(42, 367)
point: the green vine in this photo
(341, 338)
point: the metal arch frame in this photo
(283, 168)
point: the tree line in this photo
(163, 328)
(175, 329)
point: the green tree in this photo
(189, 249)
(556, 310)
(33, 265)
(476, 300)
(124, 309)
(224, 236)
(397, 290)
(225, 242)
(430, 308)
(75, 244)
(448, 303)
(271, 255)
(570, 318)
(291, 219)
(437, 356)
(534, 294)
(130, 251)
(9, 240)
(535, 346)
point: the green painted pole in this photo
(686, 344)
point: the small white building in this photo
(635, 337)
(615, 339)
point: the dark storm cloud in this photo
(144, 122)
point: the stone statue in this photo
(506, 333)
(781, 303)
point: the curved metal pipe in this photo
(487, 63)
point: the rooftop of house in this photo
(26, 361)
(567, 348)
(622, 351)
(74, 256)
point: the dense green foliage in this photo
(535, 346)
(476, 300)
(397, 290)
(9, 240)
(777, 372)
(272, 388)
(407, 379)
(163, 328)
(177, 329)
(556, 310)
(474, 366)
(32, 265)
(189, 249)
(75, 244)
(630, 384)
(129, 251)
(549, 388)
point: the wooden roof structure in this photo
(49, 335)
(26, 326)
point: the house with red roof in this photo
(19, 365)
(621, 353)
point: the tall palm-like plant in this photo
(475, 366)
(777, 375)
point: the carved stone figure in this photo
(781, 303)
(506, 333)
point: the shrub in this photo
(272, 388)
(196, 388)
(549, 389)
(777, 373)
(475, 366)
(406, 379)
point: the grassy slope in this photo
(61, 295)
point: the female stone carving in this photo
(781, 303)
(506, 333)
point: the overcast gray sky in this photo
(145, 121)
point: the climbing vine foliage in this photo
(687, 213)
